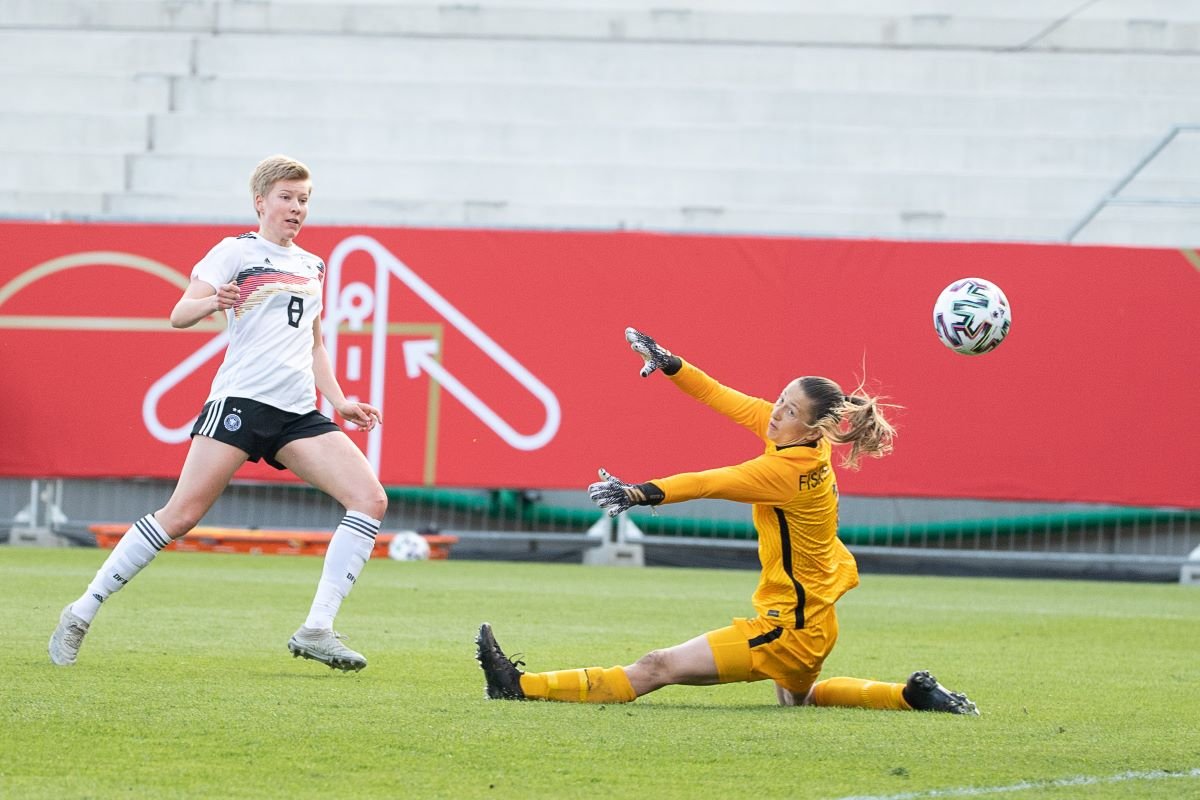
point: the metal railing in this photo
(522, 523)
(1112, 196)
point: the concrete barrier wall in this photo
(924, 119)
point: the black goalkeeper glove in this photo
(615, 496)
(655, 355)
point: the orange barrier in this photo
(263, 542)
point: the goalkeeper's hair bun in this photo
(856, 419)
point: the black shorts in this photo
(257, 428)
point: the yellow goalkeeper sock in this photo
(591, 685)
(857, 693)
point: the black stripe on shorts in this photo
(767, 637)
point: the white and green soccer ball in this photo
(972, 316)
(408, 546)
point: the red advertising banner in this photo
(499, 361)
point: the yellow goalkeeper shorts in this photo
(758, 649)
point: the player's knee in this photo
(179, 519)
(373, 502)
(379, 503)
(657, 665)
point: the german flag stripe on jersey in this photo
(256, 284)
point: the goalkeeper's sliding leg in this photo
(727, 655)
(921, 692)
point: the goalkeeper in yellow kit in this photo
(805, 567)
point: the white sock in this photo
(137, 548)
(348, 551)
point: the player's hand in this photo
(365, 416)
(227, 296)
(610, 494)
(655, 355)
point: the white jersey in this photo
(271, 325)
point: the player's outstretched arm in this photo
(655, 355)
(615, 496)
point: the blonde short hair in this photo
(273, 169)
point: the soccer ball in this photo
(408, 546)
(971, 316)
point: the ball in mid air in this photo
(972, 316)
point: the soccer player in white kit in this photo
(262, 405)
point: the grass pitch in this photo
(184, 687)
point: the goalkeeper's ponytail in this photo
(856, 419)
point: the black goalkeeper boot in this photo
(924, 693)
(503, 677)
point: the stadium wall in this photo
(922, 119)
(916, 119)
(498, 356)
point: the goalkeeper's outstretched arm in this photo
(655, 355)
(614, 495)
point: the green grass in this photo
(184, 687)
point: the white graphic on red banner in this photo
(354, 304)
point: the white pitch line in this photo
(1082, 780)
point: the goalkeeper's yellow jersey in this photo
(805, 567)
